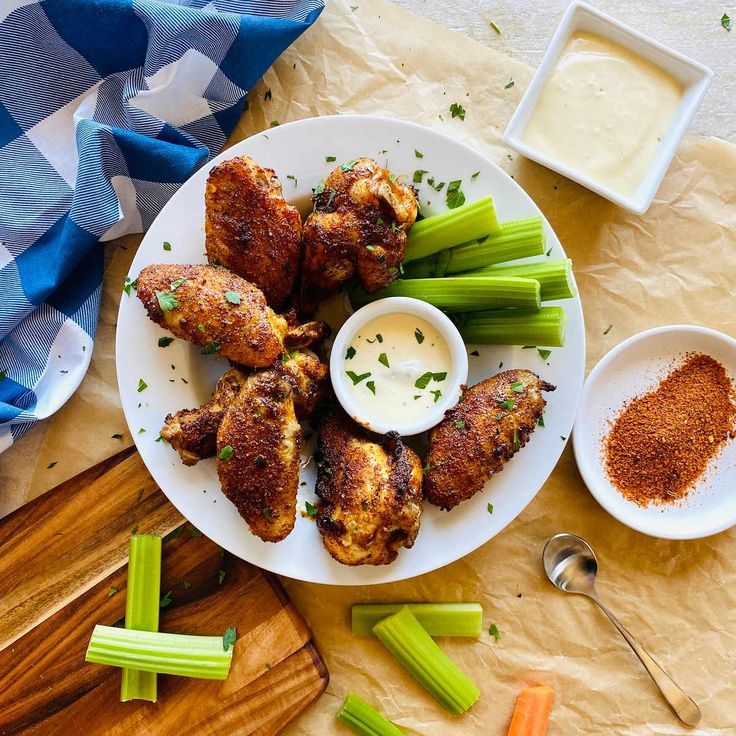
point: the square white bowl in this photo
(694, 77)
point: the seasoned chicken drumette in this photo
(193, 432)
(359, 223)
(492, 422)
(251, 230)
(259, 445)
(371, 493)
(221, 312)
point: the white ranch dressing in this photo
(603, 112)
(417, 373)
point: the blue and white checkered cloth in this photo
(106, 107)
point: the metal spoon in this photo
(571, 565)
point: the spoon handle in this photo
(682, 704)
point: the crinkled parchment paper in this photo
(675, 264)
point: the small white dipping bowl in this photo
(635, 367)
(457, 371)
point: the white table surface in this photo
(692, 27)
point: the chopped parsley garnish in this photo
(726, 22)
(134, 530)
(457, 111)
(454, 197)
(379, 337)
(419, 335)
(475, 354)
(167, 301)
(429, 468)
(200, 327)
(164, 342)
(418, 174)
(509, 85)
(141, 430)
(417, 396)
(563, 438)
(266, 513)
(275, 123)
(544, 354)
(349, 165)
(549, 251)
(439, 376)
(474, 175)
(226, 453)
(517, 443)
(211, 347)
(111, 592)
(350, 353)
(508, 404)
(330, 159)
(540, 421)
(3, 375)
(194, 532)
(517, 387)
(495, 27)
(392, 177)
(311, 510)
(221, 577)
(607, 330)
(355, 378)
(319, 188)
(437, 395)
(459, 425)
(423, 380)
(228, 638)
(142, 385)
(268, 95)
(383, 359)
(128, 285)
(167, 245)
(293, 178)
(117, 436)
(233, 297)
(494, 632)
(165, 601)
(490, 508)
(364, 505)
(418, 154)
(436, 187)
(176, 284)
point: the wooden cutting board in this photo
(63, 569)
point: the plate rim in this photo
(572, 304)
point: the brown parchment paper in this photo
(675, 264)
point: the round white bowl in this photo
(632, 368)
(457, 371)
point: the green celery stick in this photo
(456, 294)
(143, 595)
(415, 649)
(545, 327)
(361, 718)
(437, 619)
(554, 276)
(470, 221)
(203, 657)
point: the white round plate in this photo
(179, 377)
(632, 368)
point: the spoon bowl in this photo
(570, 564)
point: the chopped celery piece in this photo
(555, 277)
(437, 619)
(405, 638)
(141, 609)
(470, 221)
(203, 657)
(460, 294)
(365, 720)
(515, 239)
(514, 327)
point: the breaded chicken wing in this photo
(251, 230)
(221, 312)
(193, 432)
(372, 493)
(308, 376)
(359, 223)
(258, 449)
(492, 421)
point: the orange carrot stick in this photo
(532, 711)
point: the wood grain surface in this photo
(63, 569)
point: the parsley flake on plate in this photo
(129, 284)
(383, 360)
(457, 110)
(371, 386)
(176, 284)
(349, 165)
(419, 335)
(418, 174)
(423, 380)
(508, 404)
(490, 508)
(51, 465)
(437, 395)
(509, 85)
(164, 342)
(495, 27)
(311, 510)
(233, 297)
(221, 577)
(229, 637)
(439, 376)
(726, 22)
(268, 95)
(211, 347)
(142, 385)
(494, 632)
(543, 353)
(517, 387)
(330, 159)
(166, 300)
(459, 425)
(454, 196)
(350, 353)
(355, 378)
(607, 330)
(226, 453)
(167, 245)
(418, 154)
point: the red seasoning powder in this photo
(661, 443)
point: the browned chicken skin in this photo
(251, 230)
(214, 308)
(482, 432)
(372, 493)
(359, 223)
(258, 451)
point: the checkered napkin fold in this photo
(106, 107)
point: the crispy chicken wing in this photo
(221, 312)
(308, 376)
(359, 223)
(193, 432)
(251, 230)
(372, 493)
(492, 421)
(258, 450)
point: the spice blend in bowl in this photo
(660, 443)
